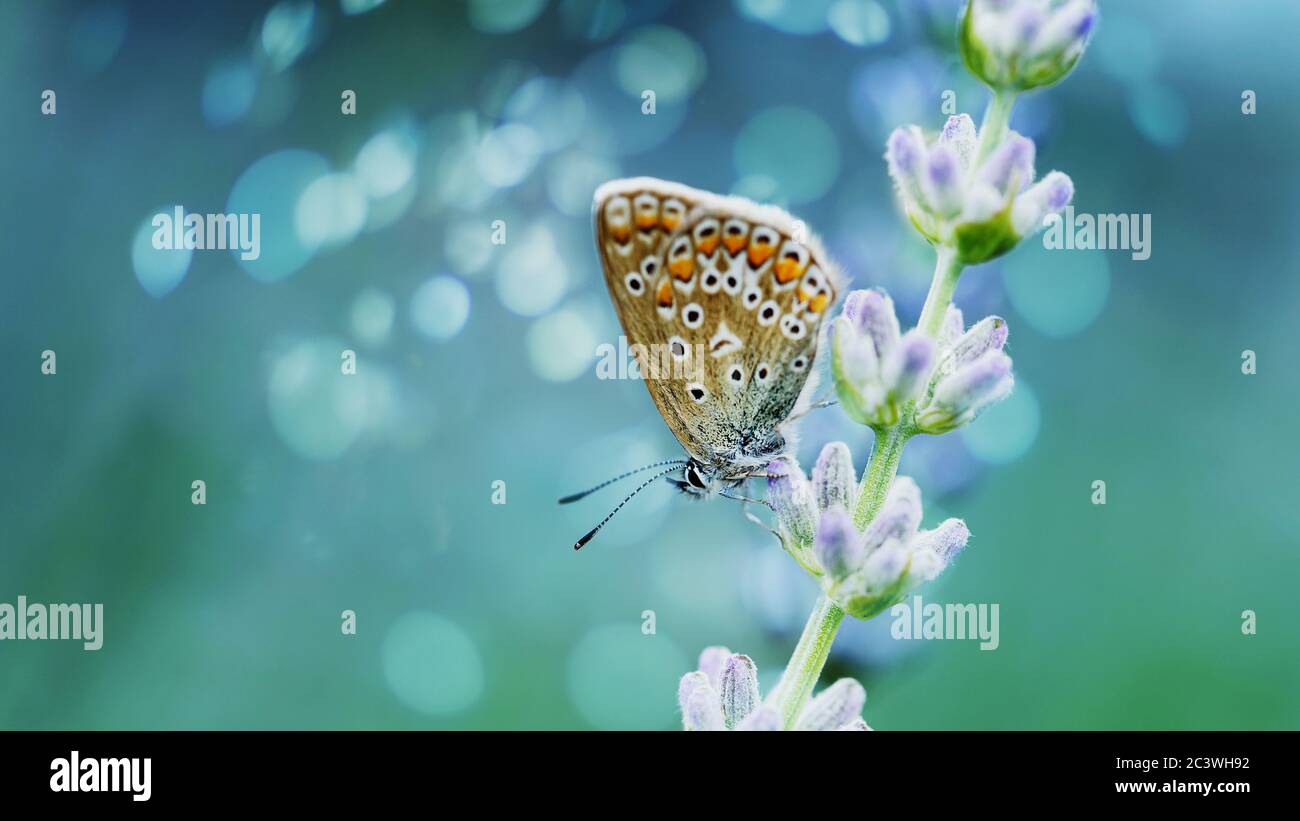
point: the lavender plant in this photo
(971, 193)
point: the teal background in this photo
(373, 492)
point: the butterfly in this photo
(722, 301)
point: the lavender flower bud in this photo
(739, 689)
(1018, 45)
(989, 334)
(944, 541)
(834, 479)
(1010, 168)
(872, 313)
(1049, 196)
(954, 325)
(943, 181)
(885, 567)
(856, 724)
(905, 155)
(961, 396)
(960, 135)
(692, 681)
(899, 516)
(834, 707)
(703, 711)
(915, 356)
(793, 500)
(712, 660)
(838, 546)
(764, 719)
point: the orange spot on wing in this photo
(787, 270)
(708, 245)
(620, 233)
(669, 222)
(819, 302)
(760, 253)
(664, 296)
(682, 268)
(647, 221)
(733, 243)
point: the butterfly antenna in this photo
(576, 496)
(591, 534)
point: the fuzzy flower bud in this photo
(738, 704)
(839, 547)
(834, 479)
(877, 371)
(1018, 45)
(981, 212)
(792, 499)
(961, 396)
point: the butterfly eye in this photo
(692, 316)
(768, 313)
(693, 477)
(635, 285)
(763, 372)
(697, 392)
(799, 364)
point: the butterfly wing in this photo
(722, 301)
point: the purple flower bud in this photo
(739, 689)
(960, 396)
(712, 660)
(899, 516)
(834, 707)
(856, 724)
(960, 135)
(905, 154)
(1010, 168)
(943, 181)
(884, 567)
(764, 719)
(838, 546)
(834, 478)
(703, 711)
(793, 500)
(989, 334)
(692, 681)
(1048, 196)
(954, 325)
(872, 314)
(944, 541)
(916, 353)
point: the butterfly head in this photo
(699, 479)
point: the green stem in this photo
(806, 664)
(947, 270)
(879, 476)
(997, 118)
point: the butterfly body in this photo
(722, 301)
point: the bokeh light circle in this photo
(228, 92)
(158, 270)
(620, 679)
(1006, 431)
(1058, 292)
(372, 316)
(317, 410)
(503, 16)
(793, 147)
(431, 664)
(661, 59)
(330, 211)
(561, 345)
(440, 308)
(271, 187)
(859, 22)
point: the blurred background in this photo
(476, 364)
